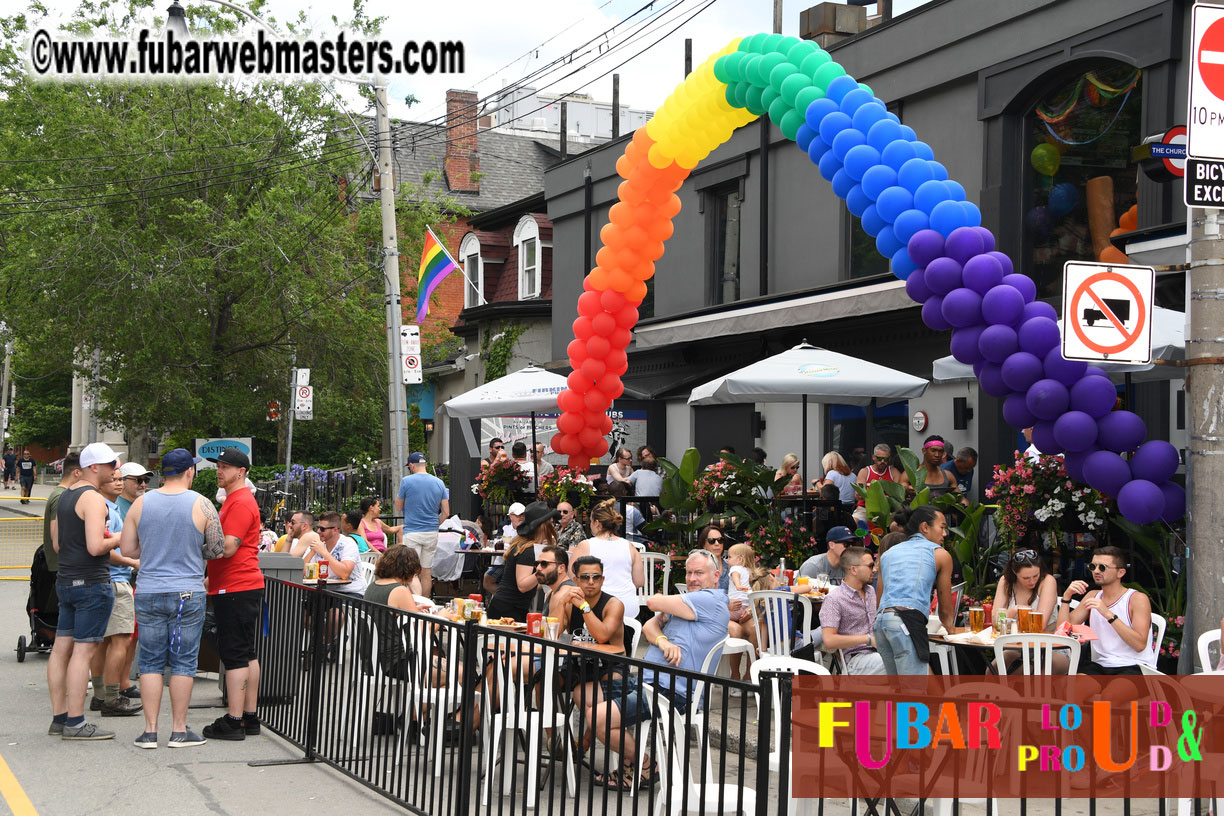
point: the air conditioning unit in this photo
(538, 123)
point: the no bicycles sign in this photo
(1107, 312)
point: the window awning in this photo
(863, 300)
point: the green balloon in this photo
(770, 43)
(813, 61)
(777, 109)
(753, 44)
(800, 51)
(792, 86)
(806, 97)
(750, 69)
(721, 70)
(753, 100)
(791, 121)
(866, 88)
(741, 94)
(769, 61)
(780, 73)
(768, 95)
(730, 95)
(786, 44)
(826, 74)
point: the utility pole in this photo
(391, 273)
(93, 403)
(4, 397)
(777, 21)
(1205, 458)
(289, 428)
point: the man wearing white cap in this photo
(135, 479)
(85, 593)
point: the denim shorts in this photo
(169, 625)
(623, 691)
(84, 611)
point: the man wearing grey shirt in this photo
(829, 563)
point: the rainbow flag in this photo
(436, 264)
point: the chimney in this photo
(828, 23)
(462, 154)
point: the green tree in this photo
(43, 407)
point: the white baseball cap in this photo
(516, 509)
(98, 453)
(133, 469)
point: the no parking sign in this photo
(1107, 312)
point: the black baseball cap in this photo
(233, 457)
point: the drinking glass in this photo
(1022, 620)
(977, 618)
(1036, 622)
(552, 628)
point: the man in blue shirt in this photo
(682, 633)
(112, 661)
(422, 500)
(962, 468)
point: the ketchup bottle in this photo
(323, 571)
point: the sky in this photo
(506, 41)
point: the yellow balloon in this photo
(658, 158)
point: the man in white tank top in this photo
(1120, 617)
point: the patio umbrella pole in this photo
(803, 461)
(535, 471)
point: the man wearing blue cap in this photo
(422, 499)
(829, 563)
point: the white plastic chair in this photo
(777, 635)
(1036, 652)
(1150, 670)
(366, 636)
(636, 626)
(1204, 648)
(790, 665)
(366, 570)
(681, 588)
(654, 563)
(370, 556)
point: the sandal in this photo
(650, 776)
(621, 780)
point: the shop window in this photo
(853, 430)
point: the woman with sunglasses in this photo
(1025, 582)
(788, 470)
(711, 540)
(619, 472)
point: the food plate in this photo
(516, 626)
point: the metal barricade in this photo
(20, 536)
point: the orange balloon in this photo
(599, 278)
(624, 166)
(636, 293)
(1130, 219)
(1118, 231)
(642, 139)
(612, 236)
(607, 258)
(670, 207)
(621, 213)
(631, 193)
(1113, 255)
(620, 281)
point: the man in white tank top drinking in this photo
(1120, 617)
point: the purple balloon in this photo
(1002, 304)
(1003, 260)
(942, 275)
(1155, 461)
(1075, 431)
(1094, 396)
(1024, 283)
(963, 243)
(1074, 462)
(1021, 370)
(1043, 438)
(932, 314)
(1106, 471)
(1017, 413)
(977, 368)
(990, 379)
(962, 307)
(1039, 335)
(1175, 502)
(988, 239)
(1038, 308)
(982, 273)
(997, 343)
(1047, 399)
(1096, 371)
(1067, 372)
(916, 288)
(1120, 431)
(964, 344)
(925, 246)
(1141, 501)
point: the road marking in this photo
(13, 794)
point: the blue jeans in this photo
(895, 646)
(84, 610)
(168, 626)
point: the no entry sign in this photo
(1107, 312)
(1205, 139)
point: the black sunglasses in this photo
(138, 479)
(1025, 557)
(545, 563)
(590, 576)
(324, 529)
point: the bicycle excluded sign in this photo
(1107, 312)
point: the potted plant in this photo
(497, 484)
(568, 485)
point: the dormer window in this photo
(473, 268)
(527, 239)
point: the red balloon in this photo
(601, 447)
(617, 362)
(584, 328)
(588, 304)
(626, 318)
(611, 301)
(569, 400)
(606, 425)
(619, 338)
(593, 419)
(598, 347)
(579, 382)
(589, 437)
(579, 463)
(577, 353)
(611, 385)
(595, 400)
(569, 422)
(587, 284)
(556, 442)
(594, 369)
(602, 325)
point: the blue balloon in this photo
(829, 165)
(908, 223)
(847, 139)
(860, 158)
(842, 184)
(947, 216)
(882, 133)
(938, 171)
(851, 102)
(902, 265)
(817, 149)
(1063, 199)
(923, 150)
(956, 191)
(888, 243)
(817, 110)
(878, 179)
(973, 216)
(872, 223)
(804, 136)
(930, 193)
(892, 202)
(908, 134)
(897, 153)
(832, 125)
(839, 87)
(867, 116)
(913, 174)
(857, 201)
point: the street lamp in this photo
(176, 21)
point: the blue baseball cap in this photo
(841, 535)
(178, 461)
(416, 459)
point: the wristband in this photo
(585, 608)
(659, 638)
(1114, 618)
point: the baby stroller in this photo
(42, 607)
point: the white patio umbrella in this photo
(528, 390)
(807, 373)
(1168, 345)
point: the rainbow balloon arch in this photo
(921, 222)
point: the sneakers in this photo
(183, 739)
(146, 740)
(223, 728)
(95, 703)
(250, 724)
(121, 707)
(86, 731)
(131, 692)
(56, 730)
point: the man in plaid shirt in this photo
(847, 616)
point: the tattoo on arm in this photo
(214, 540)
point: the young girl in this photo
(746, 577)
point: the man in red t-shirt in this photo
(236, 586)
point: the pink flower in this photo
(1030, 489)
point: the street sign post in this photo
(1205, 124)
(410, 353)
(303, 376)
(1107, 311)
(303, 402)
